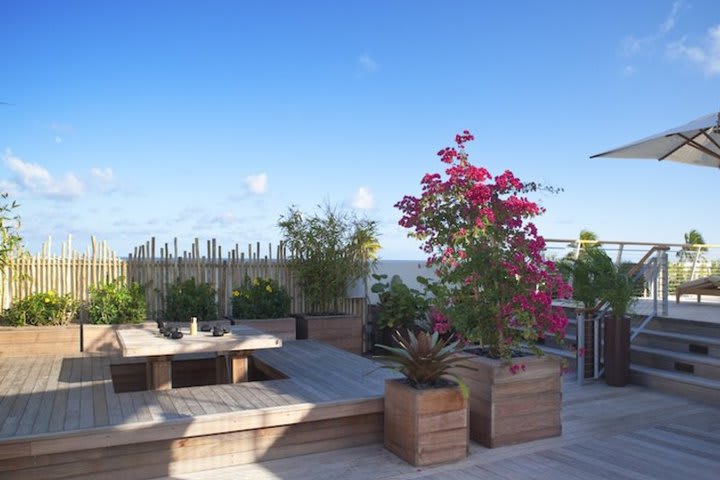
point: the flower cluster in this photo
(260, 298)
(493, 282)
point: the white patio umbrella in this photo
(695, 143)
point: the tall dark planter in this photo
(617, 351)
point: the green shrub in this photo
(44, 308)
(117, 302)
(402, 306)
(260, 298)
(188, 299)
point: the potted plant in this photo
(616, 290)
(401, 307)
(263, 304)
(426, 415)
(587, 273)
(330, 251)
(497, 290)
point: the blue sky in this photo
(127, 120)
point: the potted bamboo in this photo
(617, 291)
(426, 414)
(496, 289)
(330, 251)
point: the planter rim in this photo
(403, 381)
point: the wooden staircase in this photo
(678, 356)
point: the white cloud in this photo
(707, 55)
(363, 199)
(669, 22)
(257, 183)
(629, 70)
(36, 179)
(633, 45)
(366, 63)
(58, 139)
(102, 174)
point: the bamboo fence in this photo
(72, 272)
(155, 267)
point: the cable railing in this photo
(649, 271)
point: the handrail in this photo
(598, 312)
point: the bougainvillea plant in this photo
(492, 280)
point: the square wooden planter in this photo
(507, 408)
(341, 331)
(425, 427)
(280, 327)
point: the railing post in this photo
(596, 347)
(695, 261)
(619, 254)
(666, 281)
(580, 316)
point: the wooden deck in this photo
(627, 433)
(688, 309)
(61, 418)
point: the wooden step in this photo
(691, 363)
(687, 327)
(679, 342)
(687, 386)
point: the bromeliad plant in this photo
(424, 360)
(492, 280)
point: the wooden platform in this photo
(60, 417)
(628, 433)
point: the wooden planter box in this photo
(31, 341)
(425, 427)
(62, 339)
(280, 327)
(341, 331)
(507, 408)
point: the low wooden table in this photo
(233, 348)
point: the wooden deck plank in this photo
(32, 408)
(113, 406)
(42, 422)
(87, 401)
(72, 406)
(12, 384)
(101, 416)
(21, 398)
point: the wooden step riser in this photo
(675, 345)
(667, 363)
(685, 390)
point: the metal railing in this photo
(651, 268)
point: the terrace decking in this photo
(629, 433)
(60, 417)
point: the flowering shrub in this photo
(493, 282)
(260, 298)
(188, 299)
(45, 308)
(117, 302)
